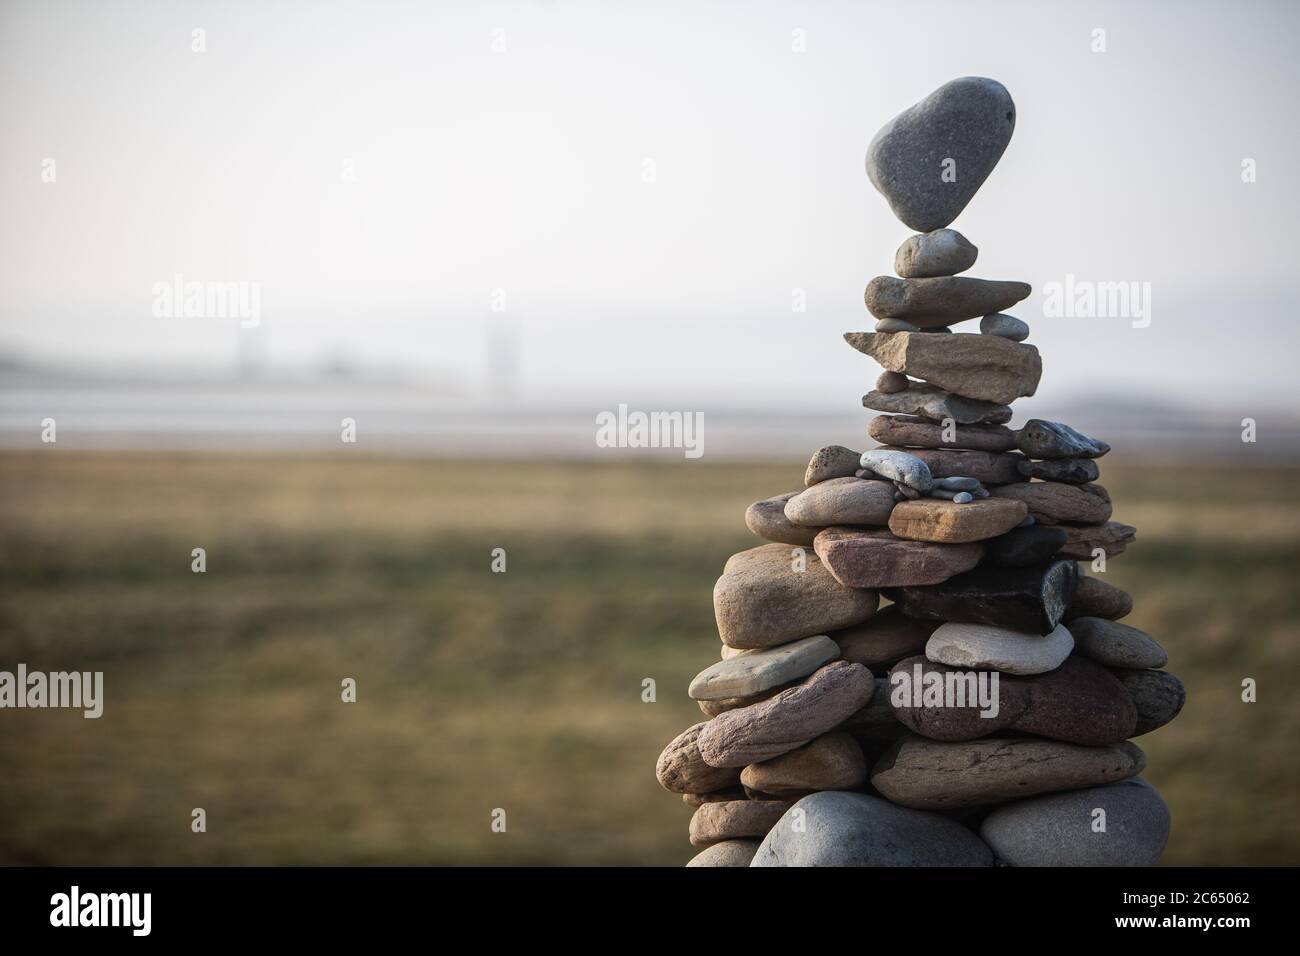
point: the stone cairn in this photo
(998, 730)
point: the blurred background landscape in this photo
(475, 227)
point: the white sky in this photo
(522, 170)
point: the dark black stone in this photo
(1052, 440)
(1030, 599)
(1158, 696)
(1022, 547)
(1072, 471)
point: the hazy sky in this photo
(524, 170)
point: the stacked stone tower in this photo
(985, 713)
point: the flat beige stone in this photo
(930, 519)
(756, 671)
(984, 367)
(831, 762)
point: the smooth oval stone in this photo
(906, 430)
(980, 367)
(890, 382)
(1053, 502)
(762, 599)
(833, 461)
(943, 252)
(1082, 541)
(726, 853)
(886, 638)
(1157, 695)
(735, 819)
(1060, 829)
(952, 522)
(957, 483)
(842, 501)
(962, 497)
(934, 403)
(1024, 599)
(930, 775)
(1004, 327)
(1078, 702)
(788, 720)
(895, 325)
(1116, 645)
(767, 520)
(1072, 471)
(836, 828)
(988, 468)
(878, 559)
(985, 647)
(756, 671)
(961, 130)
(1094, 597)
(1044, 439)
(681, 769)
(937, 303)
(831, 762)
(898, 466)
(1021, 547)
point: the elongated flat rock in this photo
(1094, 597)
(986, 467)
(711, 708)
(1043, 439)
(934, 403)
(987, 647)
(888, 637)
(1081, 541)
(943, 252)
(929, 775)
(790, 719)
(929, 160)
(935, 303)
(681, 769)
(1157, 695)
(910, 432)
(767, 520)
(984, 367)
(1072, 471)
(1079, 702)
(1060, 829)
(726, 853)
(842, 501)
(837, 828)
(764, 599)
(833, 461)
(1053, 502)
(1029, 599)
(735, 820)
(1116, 645)
(930, 519)
(756, 671)
(879, 559)
(831, 762)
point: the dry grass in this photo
(520, 691)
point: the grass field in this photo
(519, 691)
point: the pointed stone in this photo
(833, 461)
(937, 303)
(938, 405)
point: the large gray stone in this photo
(836, 828)
(753, 672)
(898, 466)
(842, 501)
(929, 160)
(774, 594)
(938, 303)
(1065, 829)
